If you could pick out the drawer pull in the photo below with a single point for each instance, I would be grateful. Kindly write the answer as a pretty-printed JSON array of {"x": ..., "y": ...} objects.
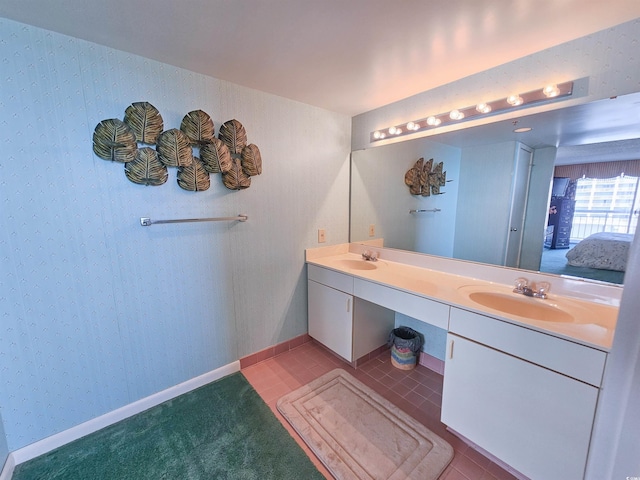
[
  {"x": 450, "y": 349},
  {"x": 348, "y": 305}
]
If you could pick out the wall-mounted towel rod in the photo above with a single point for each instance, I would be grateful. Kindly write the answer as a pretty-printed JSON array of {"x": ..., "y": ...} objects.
[
  {"x": 422, "y": 211},
  {"x": 146, "y": 221}
]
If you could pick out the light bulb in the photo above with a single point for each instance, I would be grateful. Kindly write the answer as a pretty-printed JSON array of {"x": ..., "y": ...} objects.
[
  {"x": 551, "y": 91},
  {"x": 411, "y": 126},
  {"x": 377, "y": 135},
  {"x": 398, "y": 131},
  {"x": 514, "y": 100},
  {"x": 483, "y": 108},
  {"x": 392, "y": 130},
  {"x": 433, "y": 121},
  {"x": 456, "y": 115}
]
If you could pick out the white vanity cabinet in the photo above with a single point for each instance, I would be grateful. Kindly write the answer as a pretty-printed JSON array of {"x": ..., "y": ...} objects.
[
  {"x": 349, "y": 326},
  {"x": 526, "y": 397},
  {"x": 420, "y": 308}
]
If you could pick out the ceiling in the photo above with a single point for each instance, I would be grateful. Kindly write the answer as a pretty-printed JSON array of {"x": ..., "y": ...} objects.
[{"x": 347, "y": 56}]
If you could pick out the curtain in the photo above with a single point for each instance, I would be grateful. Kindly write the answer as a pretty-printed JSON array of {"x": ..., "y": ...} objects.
[{"x": 598, "y": 170}]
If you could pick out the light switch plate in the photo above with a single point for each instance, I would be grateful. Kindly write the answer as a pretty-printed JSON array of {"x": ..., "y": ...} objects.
[
  {"x": 321, "y": 236},
  {"x": 372, "y": 230}
]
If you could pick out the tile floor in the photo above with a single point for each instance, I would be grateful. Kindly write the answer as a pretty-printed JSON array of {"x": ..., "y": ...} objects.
[{"x": 418, "y": 392}]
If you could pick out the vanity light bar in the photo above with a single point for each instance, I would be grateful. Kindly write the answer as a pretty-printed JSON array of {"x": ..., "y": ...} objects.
[{"x": 484, "y": 109}]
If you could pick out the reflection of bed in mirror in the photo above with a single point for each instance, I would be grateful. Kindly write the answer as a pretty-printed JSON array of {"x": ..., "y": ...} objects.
[
  {"x": 603, "y": 250},
  {"x": 580, "y": 260}
]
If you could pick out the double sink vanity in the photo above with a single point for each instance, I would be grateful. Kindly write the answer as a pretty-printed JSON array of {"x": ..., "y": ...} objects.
[{"x": 522, "y": 374}]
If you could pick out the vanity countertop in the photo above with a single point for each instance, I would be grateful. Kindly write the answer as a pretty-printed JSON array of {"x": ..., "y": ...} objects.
[{"x": 590, "y": 323}]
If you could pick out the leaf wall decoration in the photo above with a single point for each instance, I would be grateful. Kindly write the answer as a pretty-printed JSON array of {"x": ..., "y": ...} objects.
[
  {"x": 174, "y": 148},
  {"x": 413, "y": 177},
  {"x": 194, "y": 177},
  {"x": 114, "y": 140},
  {"x": 424, "y": 178},
  {"x": 251, "y": 160},
  {"x": 422, "y": 181},
  {"x": 146, "y": 168},
  {"x": 216, "y": 157},
  {"x": 145, "y": 121},
  {"x": 410, "y": 176},
  {"x": 235, "y": 178},
  {"x": 198, "y": 126},
  {"x": 230, "y": 154},
  {"x": 437, "y": 179},
  {"x": 234, "y": 135}
]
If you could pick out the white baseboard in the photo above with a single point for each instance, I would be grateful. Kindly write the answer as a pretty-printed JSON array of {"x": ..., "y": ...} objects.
[
  {"x": 7, "y": 470},
  {"x": 54, "y": 441}
]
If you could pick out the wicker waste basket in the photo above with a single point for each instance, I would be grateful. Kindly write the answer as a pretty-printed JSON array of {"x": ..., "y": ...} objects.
[{"x": 405, "y": 344}]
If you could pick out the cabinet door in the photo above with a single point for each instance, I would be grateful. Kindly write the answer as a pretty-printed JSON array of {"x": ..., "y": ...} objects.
[
  {"x": 535, "y": 420},
  {"x": 330, "y": 318}
]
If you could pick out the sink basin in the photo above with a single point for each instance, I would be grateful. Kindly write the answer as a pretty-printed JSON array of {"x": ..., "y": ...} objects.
[
  {"x": 521, "y": 306},
  {"x": 356, "y": 264}
]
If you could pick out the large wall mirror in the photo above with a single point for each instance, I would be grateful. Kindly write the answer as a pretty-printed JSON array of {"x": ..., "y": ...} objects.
[{"x": 496, "y": 206}]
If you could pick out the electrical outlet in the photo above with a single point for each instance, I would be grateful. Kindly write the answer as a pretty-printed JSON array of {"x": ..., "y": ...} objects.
[
  {"x": 372, "y": 230},
  {"x": 321, "y": 236}
]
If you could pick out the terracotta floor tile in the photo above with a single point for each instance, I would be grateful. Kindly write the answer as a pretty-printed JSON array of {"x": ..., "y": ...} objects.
[
  {"x": 401, "y": 389},
  {"x": 435, "y": 398},
  {"x": 415, "y": 398},
  {"x": 368, "y": 366},
  {"x": 397, "y": 375},
  {"x": 477, "y": 457},
  {"x": 409, "y": 382},
  {"x": 418, "y": 392},
  {"x": 488, "y": 476},
  {"x": 468, "y": 467},
  {"x": 453, "y": 474},
  {"x": 423, "y": 390},
  {"x": 499, "y": 472},
  {"x": 387, "y": 381}
]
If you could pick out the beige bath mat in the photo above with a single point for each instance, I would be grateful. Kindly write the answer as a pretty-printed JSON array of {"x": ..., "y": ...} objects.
[{"x": 357, "y": 434}]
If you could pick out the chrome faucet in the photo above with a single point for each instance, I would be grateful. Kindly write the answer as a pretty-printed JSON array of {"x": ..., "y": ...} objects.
[
  {"x": 538, "y": 290},
  {"x": 370, "y": 256}
]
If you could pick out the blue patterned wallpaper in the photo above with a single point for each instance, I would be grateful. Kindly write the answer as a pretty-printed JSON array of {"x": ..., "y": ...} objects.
[
  {"x": 4, "y": 449},
  {"x": 97, "y": 311},
  {"x": 435, "y": 339}
]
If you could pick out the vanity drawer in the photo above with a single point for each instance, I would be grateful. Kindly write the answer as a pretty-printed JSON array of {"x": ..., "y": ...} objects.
[
  {"x": 420, "y": 308},
  {"x": 563, "y": 356},
  {"x": 328, "y": 277}
]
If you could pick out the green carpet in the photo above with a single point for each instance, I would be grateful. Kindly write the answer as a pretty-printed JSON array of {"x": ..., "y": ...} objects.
[
  {"x": 222, "y": 430},
  {"x": 555, "y": 261}
]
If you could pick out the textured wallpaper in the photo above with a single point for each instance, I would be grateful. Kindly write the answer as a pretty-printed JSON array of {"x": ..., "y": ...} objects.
[
  {"x": 382, "y": 169},
  {"x": 97, "y": 311},
  {"x": 4, "y": 449}
]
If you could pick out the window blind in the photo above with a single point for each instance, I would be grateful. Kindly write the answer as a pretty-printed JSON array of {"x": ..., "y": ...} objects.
[{"x": 598, "y": 169}]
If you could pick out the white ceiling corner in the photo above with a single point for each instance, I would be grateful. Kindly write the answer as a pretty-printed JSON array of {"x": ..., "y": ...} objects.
[{"x": 346, "y": 56}]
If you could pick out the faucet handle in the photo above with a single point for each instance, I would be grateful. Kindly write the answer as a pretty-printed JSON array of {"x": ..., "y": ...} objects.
[
  {"x": 521, "y": 283},
  {"x": 543, "y": 288}
]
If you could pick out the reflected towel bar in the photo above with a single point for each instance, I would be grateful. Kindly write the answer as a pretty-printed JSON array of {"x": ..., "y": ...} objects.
[
  {"x": 146, "y": 221},
  {"x": 421, "y": 211}
]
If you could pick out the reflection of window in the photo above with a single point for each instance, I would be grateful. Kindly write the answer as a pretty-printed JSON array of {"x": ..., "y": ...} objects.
[{"x": 605, "y": 205}]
